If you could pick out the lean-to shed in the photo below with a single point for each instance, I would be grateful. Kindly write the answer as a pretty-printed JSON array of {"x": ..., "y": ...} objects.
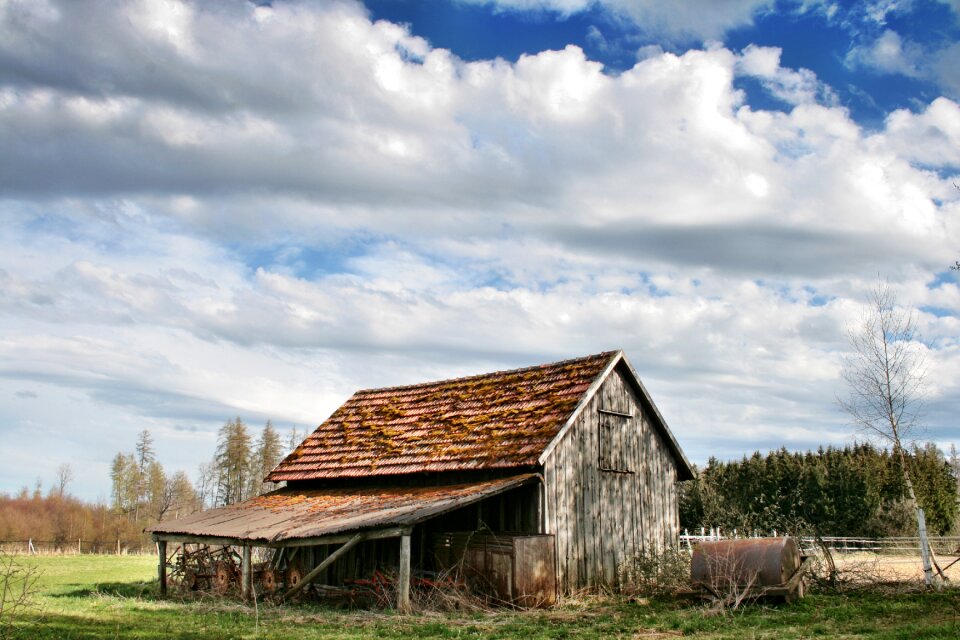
[{"x": 572, "y": 457}]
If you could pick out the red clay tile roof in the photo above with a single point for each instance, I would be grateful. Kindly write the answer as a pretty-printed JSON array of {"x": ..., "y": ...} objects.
[{"x": 496, "y": 420}]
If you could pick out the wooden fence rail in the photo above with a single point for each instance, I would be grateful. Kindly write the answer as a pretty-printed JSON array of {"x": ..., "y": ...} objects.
[
  {"x": 74, "y": 547},
  {"x": 948, "y": 545}
]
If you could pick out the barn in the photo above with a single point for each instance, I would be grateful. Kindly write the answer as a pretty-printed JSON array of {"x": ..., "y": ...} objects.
[{"x": 546, "y": 479}]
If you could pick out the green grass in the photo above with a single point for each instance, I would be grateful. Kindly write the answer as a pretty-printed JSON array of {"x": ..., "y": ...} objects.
[{"x": 116, "y": 597}]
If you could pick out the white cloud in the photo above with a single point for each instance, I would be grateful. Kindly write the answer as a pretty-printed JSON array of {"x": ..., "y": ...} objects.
[
  {"x": 226, "y": 209},
  {"x": 889, "y": 53},
  {"x": 793, "y": 87},
  {"x": 947, "y": 69},
  {"x": 699, "y": 19},
  {"x": 931, "y": 137}
]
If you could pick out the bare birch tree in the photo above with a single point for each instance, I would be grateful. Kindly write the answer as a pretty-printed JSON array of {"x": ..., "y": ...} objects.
[{"x": 884, "y": 376}]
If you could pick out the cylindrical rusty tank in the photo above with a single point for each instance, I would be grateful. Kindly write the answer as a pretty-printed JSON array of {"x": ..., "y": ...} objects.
[{"x": 753, "y": 561}]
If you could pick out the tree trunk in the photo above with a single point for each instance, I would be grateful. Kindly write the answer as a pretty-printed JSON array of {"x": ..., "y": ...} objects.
[{"x": 921, "y": 521}]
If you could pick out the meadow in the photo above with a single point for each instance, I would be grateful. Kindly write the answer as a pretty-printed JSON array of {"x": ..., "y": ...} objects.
[{"x": 90, "y": 596}]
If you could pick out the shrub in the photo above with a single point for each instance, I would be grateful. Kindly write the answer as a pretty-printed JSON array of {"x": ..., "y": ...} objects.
[
  {"x": 654, "y": 573},
  {"x": 18, "y": 589}
]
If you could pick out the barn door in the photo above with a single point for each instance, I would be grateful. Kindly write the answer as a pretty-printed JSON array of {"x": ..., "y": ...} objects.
[{"x": 616, "y": 462}]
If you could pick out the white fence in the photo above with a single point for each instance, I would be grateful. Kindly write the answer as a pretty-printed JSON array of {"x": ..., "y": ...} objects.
[{"x": 942, "y": 545}]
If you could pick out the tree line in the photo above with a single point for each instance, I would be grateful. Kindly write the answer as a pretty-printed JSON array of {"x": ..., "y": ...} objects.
[
  {"x": 143, "y": 492},
  {"x": 854, "y": 491}
]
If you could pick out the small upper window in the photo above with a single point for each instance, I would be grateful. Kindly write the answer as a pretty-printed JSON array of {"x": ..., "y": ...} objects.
[{"x": 616, "y": 428}]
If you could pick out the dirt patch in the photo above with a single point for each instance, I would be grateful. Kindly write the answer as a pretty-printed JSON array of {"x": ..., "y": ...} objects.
[{"x": 890, "y": 568}]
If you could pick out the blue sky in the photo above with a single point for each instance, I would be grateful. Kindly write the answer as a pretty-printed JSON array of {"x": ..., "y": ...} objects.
[
  {"x": 821, "y": 36},
  {"x": 229, "y": 208}
]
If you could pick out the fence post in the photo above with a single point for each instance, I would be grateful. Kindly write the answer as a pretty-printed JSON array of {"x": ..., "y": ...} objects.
[{"x": 924, "y": 548}]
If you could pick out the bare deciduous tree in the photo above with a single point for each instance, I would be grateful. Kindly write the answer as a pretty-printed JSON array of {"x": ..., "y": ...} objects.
[
  {"x": 884, "y": 376},
  {"x": 64, "y": 478}
]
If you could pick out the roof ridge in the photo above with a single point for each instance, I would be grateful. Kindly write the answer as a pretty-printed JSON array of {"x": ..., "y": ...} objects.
[{"x": 558, "y": 363}]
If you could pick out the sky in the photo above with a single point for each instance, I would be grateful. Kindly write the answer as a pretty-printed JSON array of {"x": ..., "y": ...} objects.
[{"x": 225, "y": 208}]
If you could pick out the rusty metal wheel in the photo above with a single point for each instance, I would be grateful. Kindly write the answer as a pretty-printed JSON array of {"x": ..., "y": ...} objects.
[
  {"x": 293, "y": 577},
  {"x": 268, "y": 580},
  {"x": 222, "y": 577}
]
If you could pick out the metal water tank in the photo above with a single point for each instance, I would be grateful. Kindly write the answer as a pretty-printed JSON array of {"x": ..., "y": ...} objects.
[{"x": 753, "y": 561}]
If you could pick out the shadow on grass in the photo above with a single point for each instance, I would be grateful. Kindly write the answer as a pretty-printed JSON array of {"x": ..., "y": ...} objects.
[
  {"x": 159, "y": 624},
  {"x": 141, "y": 590}
]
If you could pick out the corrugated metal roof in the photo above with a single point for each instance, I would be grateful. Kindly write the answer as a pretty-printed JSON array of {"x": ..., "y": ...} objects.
[
  {"x": 496, "y": 420},
  {"x": 289, "y": 514}
]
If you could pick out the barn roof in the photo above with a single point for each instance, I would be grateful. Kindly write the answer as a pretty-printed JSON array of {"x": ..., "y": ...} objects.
[
  {"x": 505, "y": 419},
  {"x": 291, "y": 516},
  {"x": 495, "y": 420}
]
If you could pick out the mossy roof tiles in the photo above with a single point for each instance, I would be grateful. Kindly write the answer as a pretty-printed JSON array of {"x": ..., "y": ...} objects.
[{"x": 492, "y": 421}]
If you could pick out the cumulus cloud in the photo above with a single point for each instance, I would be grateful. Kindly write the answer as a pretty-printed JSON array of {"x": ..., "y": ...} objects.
[
  {"x": 947, "y": 69},
  {"x": 888, "y": 53},
  {"x": 698, "y": 19},
  {"x": 791, "y": 86},
  {"x": 224, "y": 209},
  {"x": 931, "y": 137}
]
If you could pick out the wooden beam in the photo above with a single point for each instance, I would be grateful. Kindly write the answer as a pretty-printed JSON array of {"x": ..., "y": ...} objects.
[
  {"x": 307, "y": 579},
  {"x": 403, "y": 587},
  {"x": 610, "y": 412},
  {"x": 392, "y": 532},
  {"x": 184, "y": 538},
  {"x": 162, "y": 566},
  {"x": 337, "y": 538},
  {"x": 245, "y": 573}
]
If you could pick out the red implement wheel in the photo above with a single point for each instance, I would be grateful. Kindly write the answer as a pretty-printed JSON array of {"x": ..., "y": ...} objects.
[
  {"x": 222, "y": 577},
  {"x": 293, "y": 577},
  {"x": 268, "y": 580}
]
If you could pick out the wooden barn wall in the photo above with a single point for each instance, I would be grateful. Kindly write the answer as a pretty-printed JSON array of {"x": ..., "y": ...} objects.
[{"x": 602, "y": 518}]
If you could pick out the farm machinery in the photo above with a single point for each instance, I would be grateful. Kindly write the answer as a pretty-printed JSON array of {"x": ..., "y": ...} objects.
[{"x": 217, "y": 569}]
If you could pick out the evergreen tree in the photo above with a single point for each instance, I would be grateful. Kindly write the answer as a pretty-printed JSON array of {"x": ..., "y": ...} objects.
[
  {"x": 145, "y": 455},
  {"x": 855, "y": 491},
  {"x": 159, "y": 496},
  {"x": 233, "y": 462},
  {"x": 184, "y": 499},
  {"x": 124, "y": 477},
  {"x": 266, "y": 456}
]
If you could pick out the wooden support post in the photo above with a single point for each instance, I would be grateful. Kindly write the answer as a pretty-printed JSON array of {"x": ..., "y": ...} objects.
[
  {"x": 245, "y": 573},
  {"x": 307, "y": 579},
  {"x": 541, "y": 489},
  {"x": 403, "y": 586},
  {"x": 162, "y": 566}
]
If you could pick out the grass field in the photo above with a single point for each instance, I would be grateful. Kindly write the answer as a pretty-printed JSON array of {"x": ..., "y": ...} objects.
[{"x": 116, "y": 597}]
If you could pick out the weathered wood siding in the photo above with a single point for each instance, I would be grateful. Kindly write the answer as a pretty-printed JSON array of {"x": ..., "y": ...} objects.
[{"x": 603, "y": 517}]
